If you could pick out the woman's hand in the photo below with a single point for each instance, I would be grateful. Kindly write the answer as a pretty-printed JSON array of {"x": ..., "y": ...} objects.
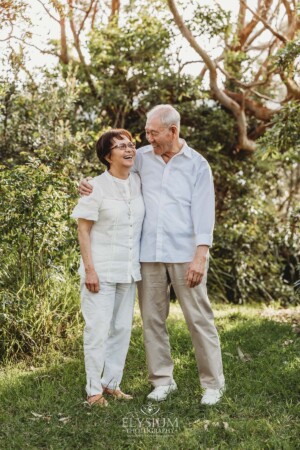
[
  {"x": 85, "y": 188},
  {"x": 92, "y": 281}
]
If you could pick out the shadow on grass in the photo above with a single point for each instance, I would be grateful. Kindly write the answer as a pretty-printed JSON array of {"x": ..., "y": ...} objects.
[
  {"x": 47, "y": 406},
  {"x": 272, "y": 349}
]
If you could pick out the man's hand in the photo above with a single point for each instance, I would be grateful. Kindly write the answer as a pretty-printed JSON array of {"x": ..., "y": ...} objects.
[
  {"x": 85, "y": 188},
  {"x": 92, "y": 281},
  {"x": 197, "y": 267}
]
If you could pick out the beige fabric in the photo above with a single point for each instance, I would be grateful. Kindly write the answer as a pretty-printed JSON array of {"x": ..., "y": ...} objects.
[{"x": 154, "y": 305}]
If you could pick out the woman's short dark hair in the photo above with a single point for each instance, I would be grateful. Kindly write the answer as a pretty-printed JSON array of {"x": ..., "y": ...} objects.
[{"x": 105, "y": 142}]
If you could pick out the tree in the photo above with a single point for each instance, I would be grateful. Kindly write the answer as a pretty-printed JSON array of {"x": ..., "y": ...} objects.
[
  {"x": 127, "y": 67},
  {"x": 249, "y": 66}
]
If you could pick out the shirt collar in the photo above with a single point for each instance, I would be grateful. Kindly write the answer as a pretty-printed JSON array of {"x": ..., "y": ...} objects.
[{"x": 185, "y": 149}]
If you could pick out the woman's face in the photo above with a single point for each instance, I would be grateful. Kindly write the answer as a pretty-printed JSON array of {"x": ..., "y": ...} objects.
[{"x": 122, "y": 153}]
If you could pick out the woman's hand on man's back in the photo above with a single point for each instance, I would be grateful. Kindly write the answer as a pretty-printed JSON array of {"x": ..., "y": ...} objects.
[{"x": 85, "y": 188}]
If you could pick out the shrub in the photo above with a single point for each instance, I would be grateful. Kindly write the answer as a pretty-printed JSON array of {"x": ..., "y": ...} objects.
[{"x": 39, "y": 300}]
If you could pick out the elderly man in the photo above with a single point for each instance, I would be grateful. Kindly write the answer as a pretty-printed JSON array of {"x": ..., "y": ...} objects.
[{"x": 177, "y": 232}]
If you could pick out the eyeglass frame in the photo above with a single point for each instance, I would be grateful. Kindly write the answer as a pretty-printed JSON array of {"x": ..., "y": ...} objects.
[{"x": 119, "y": 146}]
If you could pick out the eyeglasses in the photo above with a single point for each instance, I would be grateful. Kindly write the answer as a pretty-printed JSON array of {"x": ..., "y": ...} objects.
[{"x": 123, "y": 146}]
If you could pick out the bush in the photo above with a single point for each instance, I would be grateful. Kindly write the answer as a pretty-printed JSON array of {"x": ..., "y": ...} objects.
[
  {"x": 254, "y": 246},
  {"x": 39, "y": 300}
]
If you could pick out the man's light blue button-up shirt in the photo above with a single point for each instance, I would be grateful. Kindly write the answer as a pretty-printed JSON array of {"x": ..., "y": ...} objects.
[{"x": 179, "y": 202}]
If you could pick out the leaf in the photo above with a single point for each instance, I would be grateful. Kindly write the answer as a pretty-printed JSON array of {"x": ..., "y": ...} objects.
[
  {"x": 64, "y": 419},
  {"x": 46, "y": 417},
  {"x": 206, "y": 423},
  {"x": 37, "y": 415},
  {"x": 227, "y": 427},
  {"x": 287, "y": 342},
  {"x": 229, "y": 354},
  {"x": 245, "y": 357}
]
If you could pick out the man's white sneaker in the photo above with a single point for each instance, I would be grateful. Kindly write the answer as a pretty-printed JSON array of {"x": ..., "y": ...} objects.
[
  {"x": 160, "y": 393},
  {"x": 212, "y": 396}
]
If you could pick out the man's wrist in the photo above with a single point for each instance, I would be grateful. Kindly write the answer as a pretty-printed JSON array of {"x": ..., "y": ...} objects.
[{"x": 202, "y": 252}]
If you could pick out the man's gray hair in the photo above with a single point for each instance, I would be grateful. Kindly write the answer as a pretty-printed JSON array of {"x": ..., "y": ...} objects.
[{"x": 167, "y": 114}]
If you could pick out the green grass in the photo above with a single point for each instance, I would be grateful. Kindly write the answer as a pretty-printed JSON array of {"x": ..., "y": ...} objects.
[{"x": 43, "y": 400}]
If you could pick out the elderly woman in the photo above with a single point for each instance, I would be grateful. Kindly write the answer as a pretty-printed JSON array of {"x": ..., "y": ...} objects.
[{"x": 109, "y": 228}]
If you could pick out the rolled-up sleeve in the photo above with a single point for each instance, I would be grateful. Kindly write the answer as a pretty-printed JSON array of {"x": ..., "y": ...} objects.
[
  {"x": 89, "y": 205},
  {"x": 203, "y": 206}
]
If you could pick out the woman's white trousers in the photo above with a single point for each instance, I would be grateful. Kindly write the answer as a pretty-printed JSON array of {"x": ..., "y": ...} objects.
[{"x": 108, "y": 321}]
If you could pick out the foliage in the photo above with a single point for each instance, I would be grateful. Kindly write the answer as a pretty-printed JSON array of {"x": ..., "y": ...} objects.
[
  {"x": 134, "y": 69},
  {"x": 282, "y": 139},
  {"x": 11, "y": 11},
  {"x": 49, "y": 122},
  {"x": 252, "y": 256},
  {"x": 282, "y": 143},
  {"x": 38, "y": 254},
  {"x": 252, "y": 244},
  {"x": 37, "y": 119},
  {"x": 210, "y": 21},
  {"x": 207, "y": 128},
  {"x": 287, "y": 56}
]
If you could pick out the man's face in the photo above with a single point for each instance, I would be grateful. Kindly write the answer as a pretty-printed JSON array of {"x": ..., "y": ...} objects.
[{"x": 159, "y": 135}]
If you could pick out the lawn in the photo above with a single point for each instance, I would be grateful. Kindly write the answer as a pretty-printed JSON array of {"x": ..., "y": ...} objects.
[{"x": 43, "y": 401}]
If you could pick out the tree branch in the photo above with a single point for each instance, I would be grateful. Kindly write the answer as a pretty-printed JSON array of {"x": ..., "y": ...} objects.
[
  {"x": 241, "y": 16},
  {"x": 64, "y": 55},
  {"x": 47, "y": 11},
  {"x": 115, "y": 8},
  {"x": 79, "y": 52},
  {"x": 261, "y": 30},
  {"x": 262, "y": 20},
  {"x": 87, "y": 13},
  {"x": 292, "y": 87},
  {"x": 186, "y": 63},
  {"x": 9, "y": 34},
  {"x": 225, "y": 100},
  {"x": 264, "y": 97},
  {"x": 245, "y": 30},
  {"x": 289, "y": 11},
  {"x": 95, "y": 10},
  {"x": 240, "y": 83},
  {"x": 46, "y": 52},
  {"x": 254, "y": 108}
]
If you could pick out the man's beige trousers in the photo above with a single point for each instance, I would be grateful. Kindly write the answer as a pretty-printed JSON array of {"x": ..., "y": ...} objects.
[{"x": 154, "y": 304}]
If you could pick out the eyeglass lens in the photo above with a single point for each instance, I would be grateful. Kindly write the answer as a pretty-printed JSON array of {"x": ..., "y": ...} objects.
[{"x": 124, "y": 146}]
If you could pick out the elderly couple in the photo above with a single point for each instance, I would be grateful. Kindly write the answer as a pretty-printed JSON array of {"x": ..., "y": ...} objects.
[{"x": 149, "y": 219}]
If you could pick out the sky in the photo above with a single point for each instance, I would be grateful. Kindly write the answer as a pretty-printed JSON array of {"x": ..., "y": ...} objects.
[{"x": 44, "y": 29}]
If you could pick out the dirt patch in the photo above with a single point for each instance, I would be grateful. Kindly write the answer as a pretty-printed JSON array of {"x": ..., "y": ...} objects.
[{"x": 285, "y": 315}]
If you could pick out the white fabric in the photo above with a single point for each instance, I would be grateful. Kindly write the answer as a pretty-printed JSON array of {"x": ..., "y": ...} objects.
[
  {"x": 179, "y": 202},
  {"x": 108, "y": 319},
  {"x": 117, "y": 208}
]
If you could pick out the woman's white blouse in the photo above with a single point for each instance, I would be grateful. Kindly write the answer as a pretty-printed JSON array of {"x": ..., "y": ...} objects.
[{"x": 117, "y": 208}]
